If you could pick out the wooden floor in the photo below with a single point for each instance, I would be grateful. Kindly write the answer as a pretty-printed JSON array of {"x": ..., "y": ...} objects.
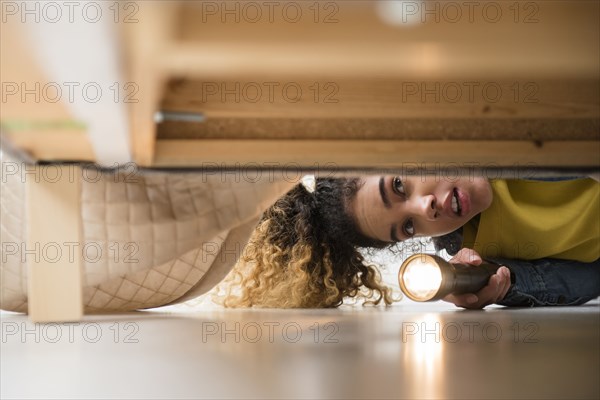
[{"x": 407, "y": 351}]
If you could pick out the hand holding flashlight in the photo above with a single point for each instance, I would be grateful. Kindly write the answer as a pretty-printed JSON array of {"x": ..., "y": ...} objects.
[
  {"x": 493, "y": 292},
  {"x": 464, "y": 281}
]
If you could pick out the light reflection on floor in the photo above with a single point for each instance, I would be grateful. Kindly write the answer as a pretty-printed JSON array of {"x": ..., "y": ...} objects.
[{"x": 406, "y": 351}]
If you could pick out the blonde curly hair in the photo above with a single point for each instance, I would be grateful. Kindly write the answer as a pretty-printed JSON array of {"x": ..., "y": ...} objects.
[{"x": 304, "y": 253}]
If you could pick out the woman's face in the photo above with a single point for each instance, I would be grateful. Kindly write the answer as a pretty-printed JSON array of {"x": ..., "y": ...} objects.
[{"x": 393, "y": 209}]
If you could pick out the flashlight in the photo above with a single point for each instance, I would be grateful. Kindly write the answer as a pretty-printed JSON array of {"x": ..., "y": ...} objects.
[{"x": 425, "y": 277}]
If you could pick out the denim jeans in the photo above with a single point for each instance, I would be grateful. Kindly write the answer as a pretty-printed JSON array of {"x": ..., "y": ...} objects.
[{"x": 550, "y": 282}]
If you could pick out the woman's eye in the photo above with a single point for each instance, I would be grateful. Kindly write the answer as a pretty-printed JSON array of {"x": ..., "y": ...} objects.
[
  {"x": 409, "y": 229},
  {"x": 398, "y": 186}
]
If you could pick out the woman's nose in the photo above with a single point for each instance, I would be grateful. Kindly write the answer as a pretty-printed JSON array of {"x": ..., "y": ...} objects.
[{"x": 427, "y": 207}]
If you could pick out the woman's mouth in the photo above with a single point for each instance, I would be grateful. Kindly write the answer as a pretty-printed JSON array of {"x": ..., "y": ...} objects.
[
  {"x": 456, "y": 207},
  {"x": 461, "y": 204}
]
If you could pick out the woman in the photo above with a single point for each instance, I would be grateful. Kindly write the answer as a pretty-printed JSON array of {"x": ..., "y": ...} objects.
[{"x": 305, "y": 251}]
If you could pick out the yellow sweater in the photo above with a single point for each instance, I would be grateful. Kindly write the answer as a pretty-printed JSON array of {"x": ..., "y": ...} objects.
[{"x": 538, "y": 219}]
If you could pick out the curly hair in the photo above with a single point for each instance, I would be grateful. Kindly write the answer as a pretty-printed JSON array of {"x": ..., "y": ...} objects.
[{"x": 304, "y": 253}]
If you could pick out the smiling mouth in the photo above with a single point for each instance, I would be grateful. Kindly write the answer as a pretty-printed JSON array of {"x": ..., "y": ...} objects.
[{"x": 456, "y": 207}]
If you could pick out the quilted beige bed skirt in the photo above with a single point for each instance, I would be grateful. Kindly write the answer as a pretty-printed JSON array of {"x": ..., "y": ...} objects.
[{"x": 149, "y": 238}]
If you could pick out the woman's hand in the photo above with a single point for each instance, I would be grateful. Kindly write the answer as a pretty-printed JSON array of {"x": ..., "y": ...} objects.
[{"x": 495, "y": 290}]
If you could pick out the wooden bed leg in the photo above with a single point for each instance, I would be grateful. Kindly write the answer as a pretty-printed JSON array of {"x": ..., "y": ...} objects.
[{"x": 54, "y": 243}]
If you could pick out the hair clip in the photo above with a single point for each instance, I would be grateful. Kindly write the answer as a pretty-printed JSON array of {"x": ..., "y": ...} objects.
[{"x": 309, "y": 182}]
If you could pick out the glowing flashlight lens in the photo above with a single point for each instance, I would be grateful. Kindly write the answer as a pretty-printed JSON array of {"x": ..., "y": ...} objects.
[{"x": 422, "y": 278}]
